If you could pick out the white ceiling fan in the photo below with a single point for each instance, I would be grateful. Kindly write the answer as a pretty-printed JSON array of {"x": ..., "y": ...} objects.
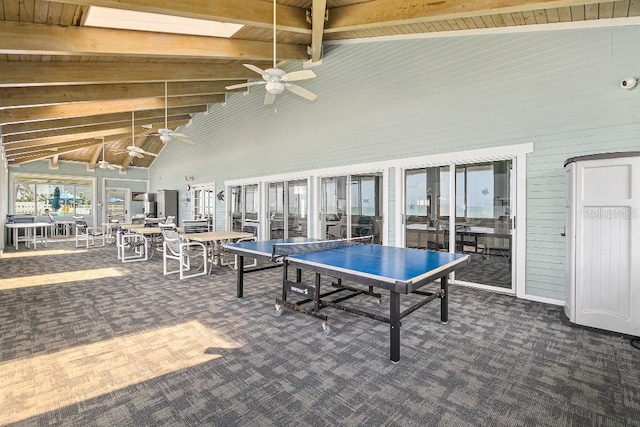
[
  {"x": 133, "y": 150},
  {"x": 103, "y": 164},
  {"x": 166, "y": 134},
  {"x": 277, "y": 80}
]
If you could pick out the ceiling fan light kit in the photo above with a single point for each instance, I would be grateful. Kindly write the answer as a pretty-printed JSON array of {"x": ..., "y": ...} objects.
[{"x": 275, "y": 88}]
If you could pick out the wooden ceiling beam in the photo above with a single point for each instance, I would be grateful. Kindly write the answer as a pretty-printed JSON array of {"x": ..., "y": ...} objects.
[
  {"x": 26, "y": 157},
  {"x": 41, "y": 153},
  {"x": 253, "y": 13},
  {"x": 96, "y": 155},
  {"x": 50, "y": 95},
  {"x": 106, "y": 128},
  {"x": 56, "y": 143},
  {"x": 59, "y": 141},
  {"x": 386, "y": 13},
  {"x": 318, "y": 12},
  {"x": 21, "y": 38},
  {"x": 79, "y": 109},
  {"x": 14, "y": 73},
  {"x": 142, "y": 118}
]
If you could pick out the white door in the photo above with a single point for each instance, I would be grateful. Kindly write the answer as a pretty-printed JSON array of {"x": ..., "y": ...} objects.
[
  {"x": 117, "y": 204},
  {"x": 607, "y": 261}
]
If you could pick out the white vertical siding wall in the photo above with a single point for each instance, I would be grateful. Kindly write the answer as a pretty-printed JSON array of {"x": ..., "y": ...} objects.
[
  {"x": 4, "y": 196},
  {"x": 395, "y": 99}
]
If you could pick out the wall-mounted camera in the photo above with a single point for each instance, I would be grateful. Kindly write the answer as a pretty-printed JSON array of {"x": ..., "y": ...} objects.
[{"x": 629, "y": 83}]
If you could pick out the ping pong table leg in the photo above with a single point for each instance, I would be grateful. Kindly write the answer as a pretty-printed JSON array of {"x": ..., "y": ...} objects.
[
  {"x": 240, "y": 276},
  {"x": 285, "y": 273},
  {"x": 444, "y": 299},
  {"x": 394, "y": 326}
]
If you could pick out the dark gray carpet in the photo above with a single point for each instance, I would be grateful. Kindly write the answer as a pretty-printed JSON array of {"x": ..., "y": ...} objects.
[
  {"x": 495, "y": 270},
  {"x": 499, "y": 362}
]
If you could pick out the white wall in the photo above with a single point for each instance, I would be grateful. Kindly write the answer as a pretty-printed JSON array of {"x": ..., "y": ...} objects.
[
  {"x": 395, "y": 99},
  {"x": 4, "y": 197}
]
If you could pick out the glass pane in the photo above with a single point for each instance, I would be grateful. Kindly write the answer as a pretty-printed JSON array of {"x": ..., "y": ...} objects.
[
  {"x": 82, "y": 200},
  {"x": 334, "y": 208},
  {"x": 366, "y": 197},
  {"x": 484, "y": 230},
  {"x": 427, "y": 208},
  {"x": 25, "y": 199},
  {"x": 276, "y": 210},
  {"x": 210, "y": 203},
  {"x": 116, "y": 205},
  {"x": 251, "y": 202},
  {"x": 297, "y": 218},
  {"x": 44, "y": 199},
  {"x": 236, "y": 208}
]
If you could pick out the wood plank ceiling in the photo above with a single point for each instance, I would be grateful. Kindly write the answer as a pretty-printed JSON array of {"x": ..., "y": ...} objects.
[{"x": 65, "y": 86}]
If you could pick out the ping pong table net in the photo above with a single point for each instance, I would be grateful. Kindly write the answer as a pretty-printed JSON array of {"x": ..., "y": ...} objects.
[{"x": 282, "y": 250}]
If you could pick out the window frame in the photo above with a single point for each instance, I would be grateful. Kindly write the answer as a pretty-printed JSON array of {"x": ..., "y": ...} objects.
[{"x": 76, "y": 180}]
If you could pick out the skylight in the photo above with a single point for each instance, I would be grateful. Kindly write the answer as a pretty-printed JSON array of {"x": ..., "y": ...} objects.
[{"x": 144, "y": 21}]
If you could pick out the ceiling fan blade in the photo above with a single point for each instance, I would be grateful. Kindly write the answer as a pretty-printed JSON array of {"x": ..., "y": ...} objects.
[
  {"x": 147, "y": 153},
  {"x": 299, "y": 75},
  {"x": 182, "y": 138},
  {"x": 135, "y": 154},
  {"x": 300, "y": 91},
  {"x": 255, "y": 69},
  {"x": 242, "y": 85},
  {"x": 269, "y": 98}
]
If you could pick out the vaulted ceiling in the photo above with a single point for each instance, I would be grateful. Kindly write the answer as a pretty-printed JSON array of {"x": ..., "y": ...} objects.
[{"x": 66, "y": 87}]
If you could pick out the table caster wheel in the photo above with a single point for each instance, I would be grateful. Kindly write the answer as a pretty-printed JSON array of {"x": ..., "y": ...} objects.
[
  {"x": 326, "y": 329},
  {"x": 279, "y": 310}
]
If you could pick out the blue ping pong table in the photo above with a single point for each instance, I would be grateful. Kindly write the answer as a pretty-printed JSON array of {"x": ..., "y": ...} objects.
[{"x": 397, "y": 270}]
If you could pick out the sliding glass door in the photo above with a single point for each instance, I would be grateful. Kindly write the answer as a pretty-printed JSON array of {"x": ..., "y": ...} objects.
[
  {"x": 298, "y": 206},
  {"x": 482, "y": 225},
  {"x": 244, "y": 208},
  {"x": 276, "y": 210},
  {"x": 287, "y": 207},
  {"x": 333, "y": 215},
  {"x": 484, "y": 222},
  {"x": 351, "y": 206},
  {"x": 366, "y": 206},
  {"x": 427, "y": 208}
]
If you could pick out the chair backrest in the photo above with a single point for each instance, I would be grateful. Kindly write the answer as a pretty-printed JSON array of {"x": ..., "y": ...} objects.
[
  {"x": 171, "y": 219},
  {"x": 81, "y": 224},
  {"x": 20, "y": 218},
  {"x": 195, "y": 226},
  {"x": 250, "y": 228},
  {"x": 171, "y": 239}
]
